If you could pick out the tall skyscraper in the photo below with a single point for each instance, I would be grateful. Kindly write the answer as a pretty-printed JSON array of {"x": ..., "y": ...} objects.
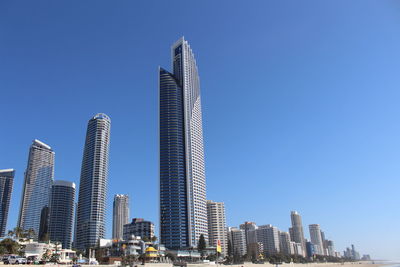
[
  {"x": 6, "y": 187},
  {"x": 93, "y": 183},
  {"x": 183, "y": 210},
  {"x": 120, "y": 215},
  {"x": 61, "y": 218},
  {"x": 296, "y": 231},
  {"x": 39, "y": 177},
  {"x": 217, "y": 225},
  {"x": 316, "y": 239}
]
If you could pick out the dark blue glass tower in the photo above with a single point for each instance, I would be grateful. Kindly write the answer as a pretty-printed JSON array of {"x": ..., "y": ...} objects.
[
  {"x": 173, "y": 198},
  {"x": 61, "y": 219},
  {"x": 6, "y": 186}
]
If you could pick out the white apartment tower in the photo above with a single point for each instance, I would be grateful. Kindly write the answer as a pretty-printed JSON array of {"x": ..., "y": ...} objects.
[
  {"x": 237, "y": 238},
  {"x": 120, "y": 215},
  {"x": 268, "y": 235},
  {"x": 316, "y": 239},
  {"x": 217, "y": 225}
]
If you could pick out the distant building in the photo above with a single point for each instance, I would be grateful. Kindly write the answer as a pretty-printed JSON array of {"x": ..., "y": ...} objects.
[
  {"x": 39, "y": 176},
  {"x": 217, "y": 225},
  {"x": 330, "y": 248},
  {"x": 296, "y": 231},
  {"x": 62, "y": 213},
  {"x": 268, "y": 235},
  {"x": 284, "y": 243},
  {"x": 91, "y": 214},
  {"x": 366, "y": 257},
  {"x": 139, "y": 228},
  {"x": 310, "y": 248},
  {"x": 250, "y": 232},
  {"x": 6, "y": 187},
  {"x": 298, "y": 249},
  {"x": 120, "y": 215},
  {"x": 237, "y": 238},
  {"x": 316, "y": 239},
  {"x": 255, "y": 250}
]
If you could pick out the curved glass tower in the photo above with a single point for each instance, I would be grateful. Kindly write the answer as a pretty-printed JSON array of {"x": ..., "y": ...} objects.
[
  {"x": 183, "y": 208},
  {"x": 91, "y": 212},
  {"x": 39, "y": 176}
]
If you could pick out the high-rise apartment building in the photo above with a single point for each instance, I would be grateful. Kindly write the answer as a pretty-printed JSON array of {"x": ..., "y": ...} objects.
[
  {"x": 6, "y": 187},
  {"x": 237, "y": 238},
  {"x": 284, "y": 243},
  {"x": 39, "y": 176},
  {"x": 250, "y": 232},
  {"x": 316, "y": 239},
  {"x": 183, "y": 209},
  {"x": 120, "y": 215},
  {"x": 217, "y": 225},
  {"x": 296, "y": 231},
  {"x": 268, "y": 235},
  {"x": 91, "y": 212},
  {"x": 139, "y": 227},
  {"x": 61, "y": 218}
]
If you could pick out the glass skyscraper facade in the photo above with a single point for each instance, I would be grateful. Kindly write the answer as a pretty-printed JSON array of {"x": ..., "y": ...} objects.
[
  {"x": 61, "y": 218},
  {"x": 39, "y": 176},
  {"x": 183, "y": 208},
  {"x": 6, "y": 187},
  {"x": 91, "y": 212}
]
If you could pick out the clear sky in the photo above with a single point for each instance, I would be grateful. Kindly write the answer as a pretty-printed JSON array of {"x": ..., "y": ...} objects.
[{"x": 300, "y": 104}]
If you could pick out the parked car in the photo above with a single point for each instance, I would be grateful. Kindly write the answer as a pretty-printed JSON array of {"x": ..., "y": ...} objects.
[
  {"x": 32, "y": 260},
  {"x": 12, "y": 259}
]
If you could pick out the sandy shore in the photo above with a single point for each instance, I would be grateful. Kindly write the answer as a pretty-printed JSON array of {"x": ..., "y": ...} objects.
[{"x": 246, "y": 264}]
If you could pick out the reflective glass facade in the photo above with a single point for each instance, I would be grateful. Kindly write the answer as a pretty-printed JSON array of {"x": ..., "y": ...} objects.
[
  {"x": 183, "y": 210},
  {"x": 6, "y": 187},
  {"x": 37, "y": 185},
  {"x": 61, "y": 219},
  {"x": 91, "y": 212}
]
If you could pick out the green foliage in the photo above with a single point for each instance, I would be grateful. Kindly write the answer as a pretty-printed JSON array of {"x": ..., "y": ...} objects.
[
  {"x": 212, "y": 257},
  {"x": 129, "y": 260},
  {"x": 201, "y": 246},
  {"x": 171, "y": 256},
  {"x": 20, "y": 234},
  {"x": 9, "y": 246}
]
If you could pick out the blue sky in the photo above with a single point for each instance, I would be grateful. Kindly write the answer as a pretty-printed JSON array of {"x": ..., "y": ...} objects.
[{"x": 300, "y": 104}]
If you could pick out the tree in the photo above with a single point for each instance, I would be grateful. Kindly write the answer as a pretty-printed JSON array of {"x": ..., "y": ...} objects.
[
  {"x": 201, "y": 246},
  {"x": 212, "y": 257},
  {"x": 9, "y": 246},
  {"x": 171, "y": 256},
  {"x": 154, "y": 239}
]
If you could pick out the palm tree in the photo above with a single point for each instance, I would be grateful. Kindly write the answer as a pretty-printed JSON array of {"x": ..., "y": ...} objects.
[
  {"x": 10, "y": 233},
  {"x": 30, "y": 233},
  {"x": 19, "y": 232}
]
